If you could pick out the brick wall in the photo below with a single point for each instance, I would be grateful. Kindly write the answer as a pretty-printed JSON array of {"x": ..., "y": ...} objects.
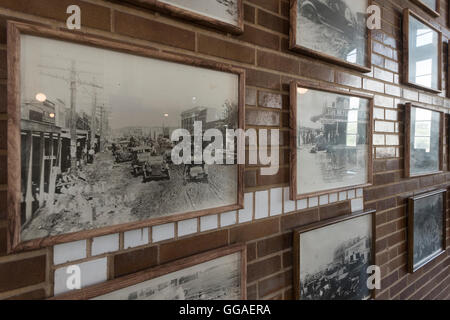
[{"x": 266, "y": 222}]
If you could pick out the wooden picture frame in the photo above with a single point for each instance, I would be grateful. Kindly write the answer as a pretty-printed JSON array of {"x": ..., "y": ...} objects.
[
  {"x": 412, "y": 267},
  {"x": 407, "y": 13},
  {"x": 324, "y": 224},
  {"x": 427, "y": 9},
  {"x": 193, "y": 16},
  {"x": 294, "y": 46},
  {"x": 14, "y": 31},
  {"x": 159, "y": 271},
  {"x": 408, "y": 173},
  {"x": 293, "y": 137}
]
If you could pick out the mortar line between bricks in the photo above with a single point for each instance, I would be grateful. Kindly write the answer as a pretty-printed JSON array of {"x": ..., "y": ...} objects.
[
  {"x": 437, "y": 285},
  {"x": 416, "y": 290},
  {"x": 19, "y": 291},
  {"x": 23, "y": 256}
]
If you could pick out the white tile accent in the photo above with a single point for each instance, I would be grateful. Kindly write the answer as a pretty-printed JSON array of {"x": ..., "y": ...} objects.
[
  {"x": 384, "y": 126},
  {"x": 228, "y": 219},
  {"x": 342, "y": 195},
  {"x": 359, "y": 193},
  {"x": 163, "y": 232},
  {"x": 108, "y": 243},
  {"x": 135, "y": 238},
  {"x": 261, "y": 204},
  {"x": 276, "y": 201},
  {"x": 302, "y": 204},
  {"x": 333, "y": 197},
  {"x": 186, "y": 227},
  {"x": 289, "y": 205},
  {"x": 313, "y": 202},
  {"x": 351, "y": 194},
  {"x": 70, "y": 251},
  {"x": 208, "y": 222},
  {"x": 92, "y": 272},
  {"x": 357, "y": 205},
  {"x": 323, "y": 200},
  {"x": 246, "y": 214}
]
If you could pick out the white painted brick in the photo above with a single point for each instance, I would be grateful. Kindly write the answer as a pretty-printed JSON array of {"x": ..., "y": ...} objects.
[
  {"x": 357, "y": 204},
  {"x": 342, "y": 195},
  {"x": 70, "y": 251},
  {"x": 392, "y": 140},
  {"x": 378, "y": 140},
  {"x": 323, "y": 200},
  {"x": 135, "y": 238},
  {"x": 302, "y": 204},
  {"x": 378, "y": 113},
  {"x": 228, "y": 219},
  {"x": 313, "y": 202},
  {"x": 393, "y": 90},
  {"x": 186, "y": 227},
  {"x": 289, "y": 205},
  {"x": 92, "y": 272},
  {"x": 373, "y": 85},
  {"x": 208, "y": 222},
  {"x": 382, "y": 101},
  {"x": 276, "y": 201},
  {"x": 163, "y": 232},
  {"x": 104, "y": 244},
  {"x": 261, "y": 204},
  {"x": 359, "y": 193},
  {"x": 384, "y": 126},
  {"x": 246, "y": 214},
  {"x": 351, "y": 194},
  {"x": 333, "y": 197},
  {"x": 410, "y": 95},
  {"x": 391, "y": 115}
]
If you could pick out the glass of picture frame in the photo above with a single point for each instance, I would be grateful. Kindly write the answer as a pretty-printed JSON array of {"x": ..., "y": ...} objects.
[
  {"x": 423, "y": 141},
  {"x": 225, "y": 15},
  {"x": 432, "y": 7},
  {"x": 89, "y": 133},
  {"x": 331, "y": 258},
  {"x": 214, "y": 275},
  {"x": 334, "y": 31},
  {"x": 422, "y": 56},
  {"x": 331, "y": 140},
  {"x": 426, "y": 228}
]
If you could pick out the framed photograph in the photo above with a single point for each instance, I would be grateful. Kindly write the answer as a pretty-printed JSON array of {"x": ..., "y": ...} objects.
[
  {"x": 331, "y": 139},
  {"x": 335, "y": 31},
  {"x": 422, "y": 53},
  {"x": 426, "y": 228},
  {"x": 331, "y": 258},
  {"x": 89, "y": 136},
  {"x": 424, "y": 141},
  {"x": 225, "y": 15},
  {"x": 432, "y": 7},
  {"x": 215, "y": 275}
]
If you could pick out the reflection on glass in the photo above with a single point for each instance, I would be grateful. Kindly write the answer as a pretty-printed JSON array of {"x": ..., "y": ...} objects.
[
  {"x": 425, "y": 126},
  {"x": 423, "y": 55},
  {"x": 431, "y": 4}
]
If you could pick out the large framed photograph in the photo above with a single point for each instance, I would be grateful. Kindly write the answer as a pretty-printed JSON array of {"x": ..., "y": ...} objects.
[
  {"x": 432, "y": 7},
  {"x": 424, "y": 141},
  {"x": 331, "y": 258},
  {"x": 426, "y": 228},
  {"x": 331, "y": 140},
  {"x": 334, "y": 31},
  {"x": 215, "y": 275},
  {"x": 225, "y": 15},
  {"x": 422, "y": 53},
  {"x": 89, "y": 136}
]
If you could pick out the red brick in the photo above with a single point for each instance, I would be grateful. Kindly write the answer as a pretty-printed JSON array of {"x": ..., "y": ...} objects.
[
  {"x": 277, "y": 62},
  {"x": 225, "y": 49},
  {"x": 2, "y": 169},
  {"x": 260, "y": 37},
  {"x": 262, "y": 79},
  {"x": 3, "y": 63},
  {"x": 249, "y": 13},
  {"x": 274, "y": 244},
  {"x": 3, "y": 129},
  {"x": 3, "y": 243},
  {"x": 263, "y": 268},
  {"x": 137, "y": 27},
  {"x": 254, "y": 231},
  {"x": 251, "y": 252},
  {"x": 22, "y": 273},
  {"x": 273, "y": 22},
  {"x": 275, "y": 283},
  {"x": 316, "y": 71},
  {"x": 33, "y": 295},
  {"x": 134, "y": 261},
  {"x": 291, "y": 221},
  {"x": 2, "y": 205},
  {"x": 252, "y": 292},
  {"x": 334, "y": 210},
  {"x": 271, "y": 5}
]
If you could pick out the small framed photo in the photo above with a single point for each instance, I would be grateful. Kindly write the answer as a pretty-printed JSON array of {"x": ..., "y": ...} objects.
[
  {"x": 225, "y": 15},
  {"x": 215, "y": 275},
  {"x": 426, "y": 228},
  {"x": 331, "y": 258},
  {"x": 334, "y": 31},
  {"x": 331, "y": 139},
  {"x": 424, "y": 142},
  {"x": 422, "y": 55},
  {"x": 432, "y": 7}
]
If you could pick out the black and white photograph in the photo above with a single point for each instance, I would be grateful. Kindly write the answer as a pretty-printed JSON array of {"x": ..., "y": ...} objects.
[
  {"x": 332, "y": 28},
  {"x": 223, "y": 10},
  {"x": 427, "y": 227},
  {"x": 333, "y": 260},
  {"x": 217, "y": 279},
  {"x": 96, "y": 129},
  {"x": 332, "y": 142},
  {"x": 424, "y": 141}
]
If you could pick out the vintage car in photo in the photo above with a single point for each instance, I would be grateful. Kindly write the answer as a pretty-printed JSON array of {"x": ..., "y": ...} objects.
[
  {"x": 139, "y": 157},
  {"x": 195, "y": 173},
  {"x": 155, "y": 168}
]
